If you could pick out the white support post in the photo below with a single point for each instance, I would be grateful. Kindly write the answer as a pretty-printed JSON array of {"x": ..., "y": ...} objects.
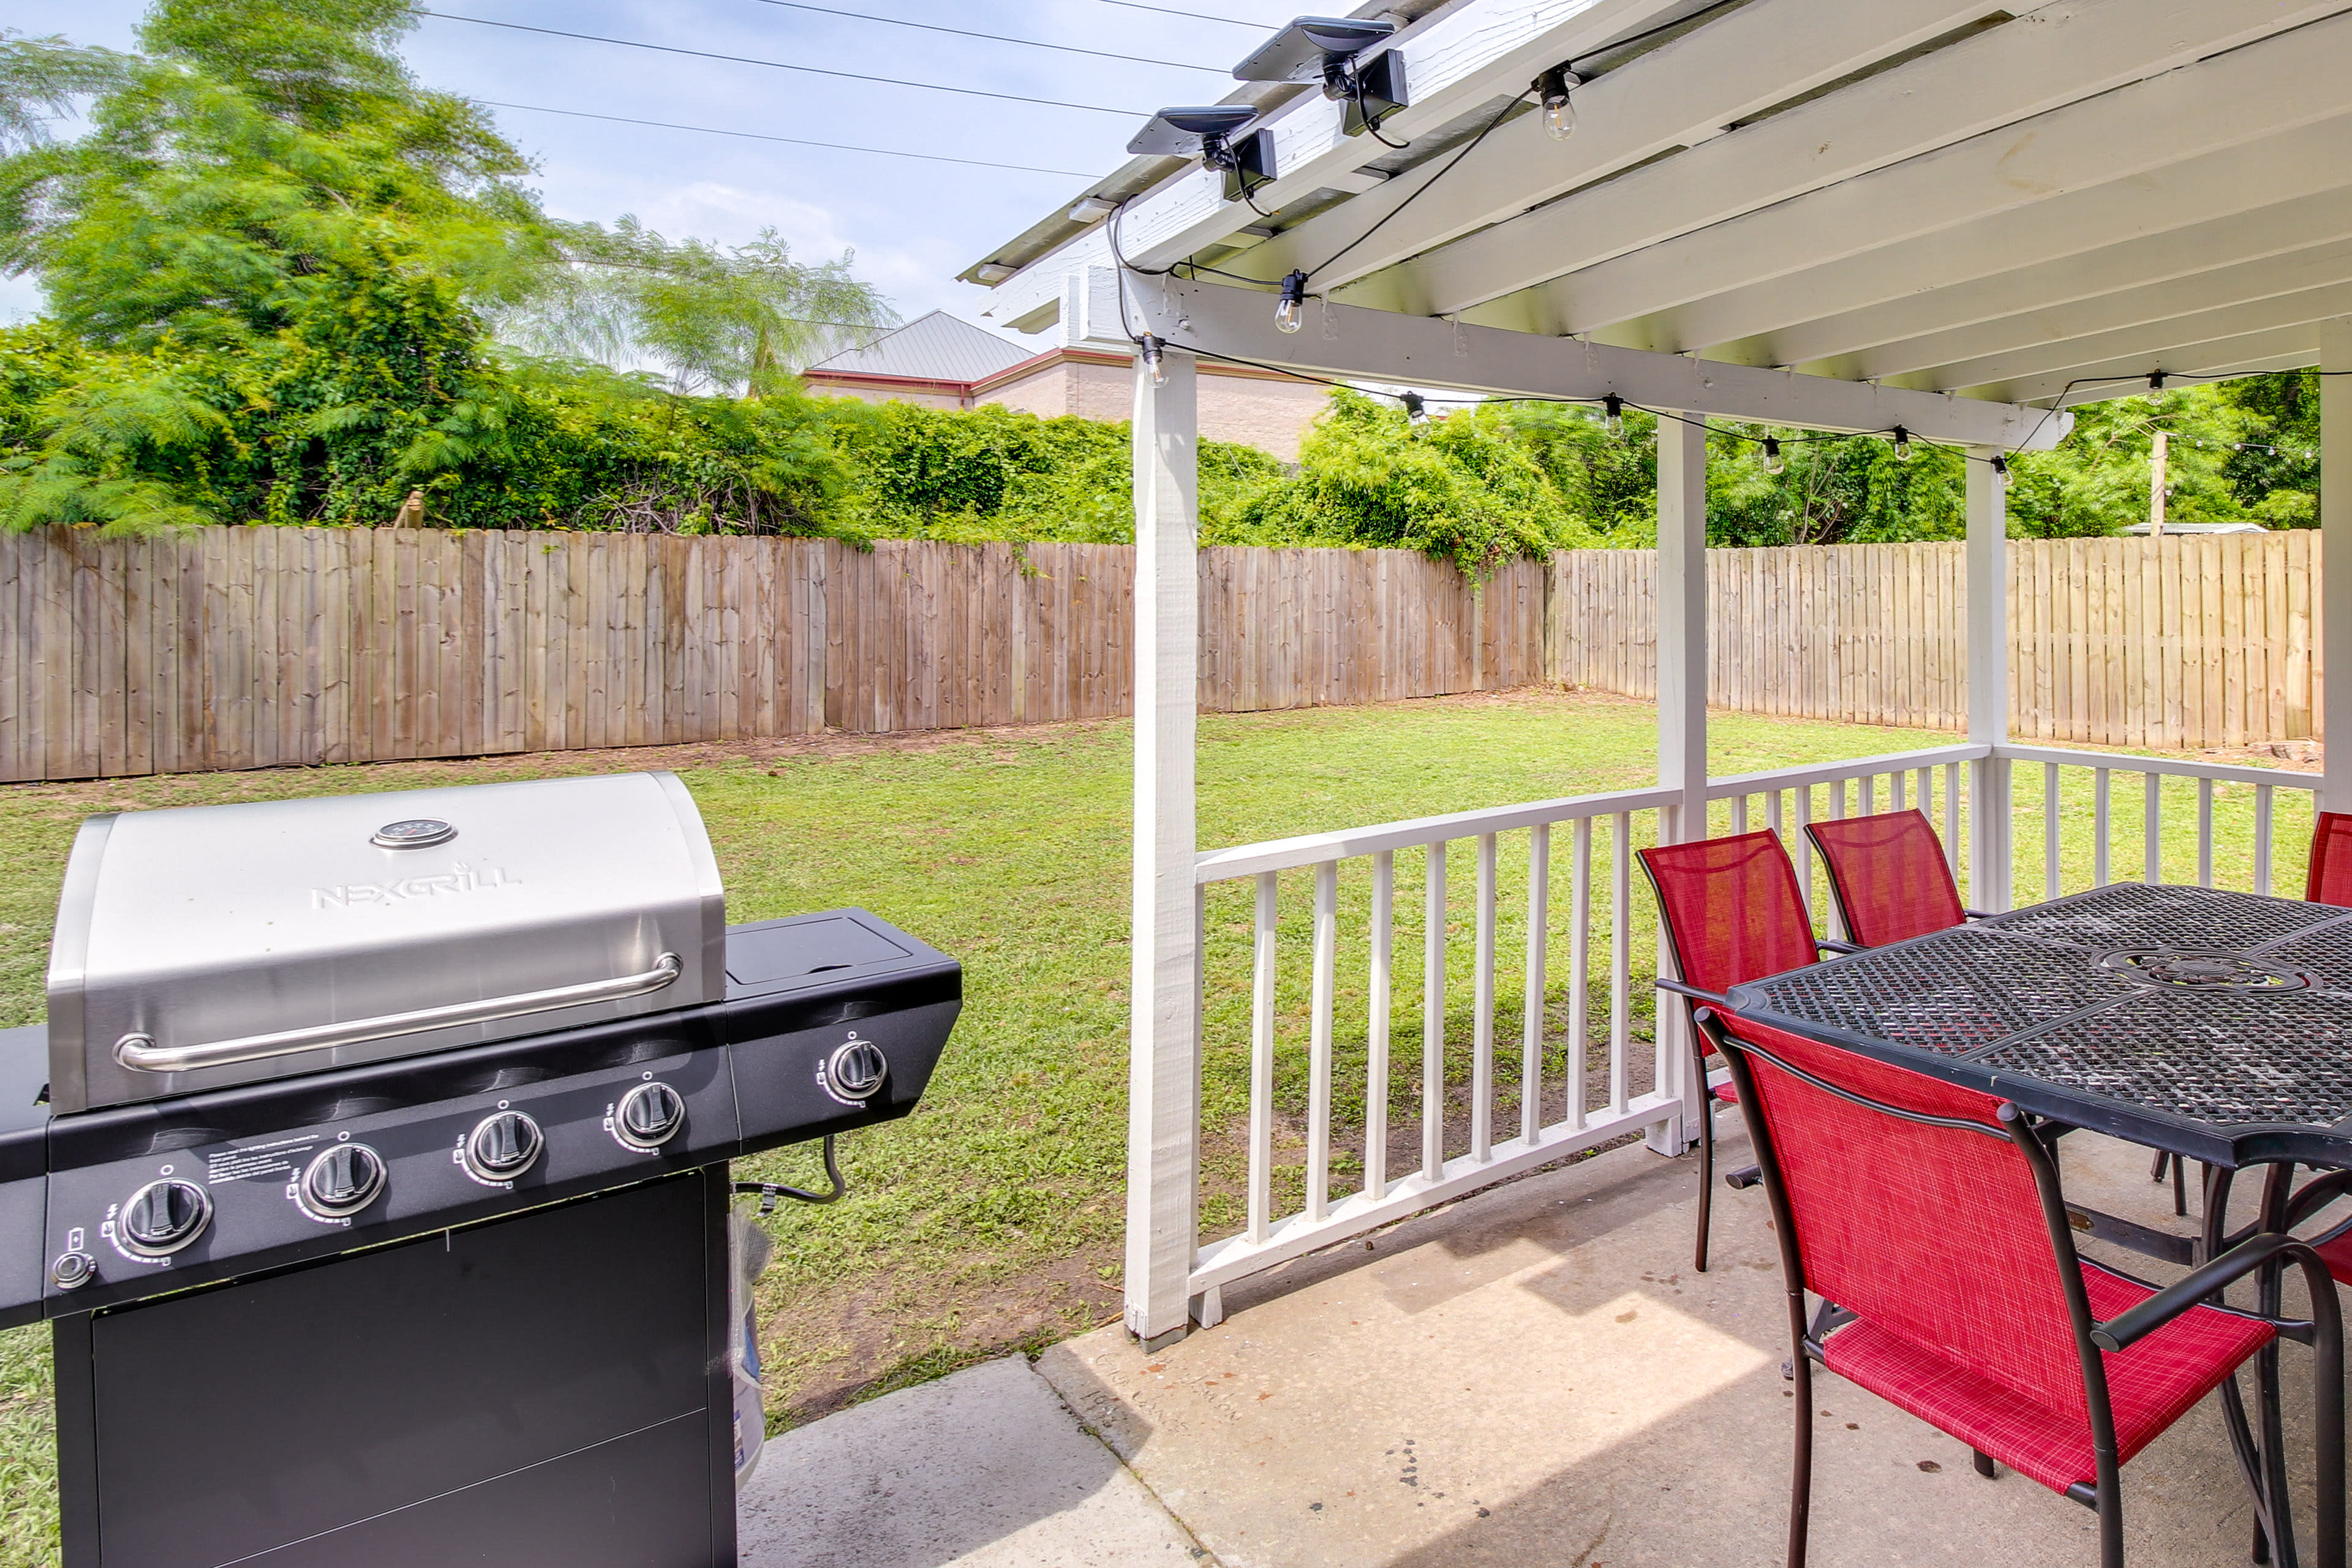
[
  {"x": 1682, "y": 720},
  {"x": 1164, "y": 1034},
  {"x": 1987, "y": 569},
  {"x": 2336, "y": 560}
]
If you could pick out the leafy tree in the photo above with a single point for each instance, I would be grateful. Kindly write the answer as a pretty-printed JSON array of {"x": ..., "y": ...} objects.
[{"x": 738, "y": 320}]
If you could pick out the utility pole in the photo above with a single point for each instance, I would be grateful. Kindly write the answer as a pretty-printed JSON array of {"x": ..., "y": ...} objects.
[{"x": 2156, "y": 468}]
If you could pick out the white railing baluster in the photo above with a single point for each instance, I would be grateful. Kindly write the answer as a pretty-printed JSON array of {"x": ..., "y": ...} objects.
[
  {"x": 1804, "y": 847},
  {"x": 2152, "y": 829},
  {"x": 1376, "y": 1032},
  {"x": 1738, "y": 814},
  {"x": 2263, "y": 823},
  {"x": 2204, "y": 833},
  {"x": 1433, "y": 1020},
  {"x": 1318, "y": 1041},
  {"x": 1895, "y": 781},
  {"x": 1621, "y": 957},
  {"x": 1261, "y": 1128},
  {"x": 1773, "y": 811},
  {"x": 1482, "y": 1035},
  {"x": 2099, "y": 832},
  {"x": 1580, "y": 965},
  {"x": 1952, "y": 817},
  {"x": 1866, "y": 796},
  {"x": 1539, "y": 941},
  {"x": 2050, "y": 830}
]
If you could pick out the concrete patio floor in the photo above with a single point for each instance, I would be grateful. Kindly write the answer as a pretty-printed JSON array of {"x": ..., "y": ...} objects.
[{"x": 1533, "y": 1376}]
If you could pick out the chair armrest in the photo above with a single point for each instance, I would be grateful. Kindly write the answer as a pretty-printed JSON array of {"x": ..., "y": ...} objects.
[
  {"x": 1978, "y": 914},
  {"x": 1708, "y": 997},
  {"x": 2316, "y": 1195},
  {"x": 1826, "y": 946},
  {"x": 2128, "y": 1328}
]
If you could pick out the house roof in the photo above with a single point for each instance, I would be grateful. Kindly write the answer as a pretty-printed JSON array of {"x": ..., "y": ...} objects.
[
  {"x": 936, "y": 347},
  {"x": 2038, "y": 206}
]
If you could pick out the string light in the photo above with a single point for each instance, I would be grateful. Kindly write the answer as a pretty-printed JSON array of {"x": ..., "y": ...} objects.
[
  {"x": 1612, "y": 416},
  {"x": 1773, "y": 462},
  {"x": 1554, "y": 90},
  {"x": 2001, "y": 475},
  {"x": 2154, "y": 386},
  {"x": 1155, "y": 358},
  {"x": 1291, "y": 313},
  {"x": 1902, "y": 445},
  {"x": 1415, "y": 410}
]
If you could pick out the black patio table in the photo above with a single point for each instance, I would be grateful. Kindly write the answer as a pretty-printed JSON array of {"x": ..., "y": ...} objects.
[{"x": 2213, "y": 1025}]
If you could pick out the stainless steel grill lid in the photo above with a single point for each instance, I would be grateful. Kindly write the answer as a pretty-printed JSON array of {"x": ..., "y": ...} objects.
[{"x": 210, "y": 945}]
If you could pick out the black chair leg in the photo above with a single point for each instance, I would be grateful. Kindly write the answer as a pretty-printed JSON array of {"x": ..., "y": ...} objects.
[
  {"x": 2156, "y": 1172},
  {"x": 2179, "y": 1187},
  {"x": 1984, "y": 1464},
  {"x": 1801, "y": 1486},
  {"x": 1705, "y": 1157}
]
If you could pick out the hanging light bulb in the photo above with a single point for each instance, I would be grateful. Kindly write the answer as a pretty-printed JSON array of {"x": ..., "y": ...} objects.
[
  {"x": 1291, "y": 313},
  {"x": 1773, "y": 462},
  {"x": 2001, "y": 475},
  {"x": 1554, "y": 88},
  {"x": 1612, "y": 416},
  {"x": 2155, "y": 392},
  {"x": 1154, "y": 359},
  {"x": 1902, "y": 445},
  {"x": 1415, "y": 412}
]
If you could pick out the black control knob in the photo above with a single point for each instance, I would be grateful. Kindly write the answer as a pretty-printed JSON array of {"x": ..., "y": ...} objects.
[
  {"x": 343, "y": 1180},
  {"x": 857, "y": 1069},
  {"x": 162, "y": 1217},
  {"x": 503, "y": 1146},
  {"x": 649, "y": 1116}
]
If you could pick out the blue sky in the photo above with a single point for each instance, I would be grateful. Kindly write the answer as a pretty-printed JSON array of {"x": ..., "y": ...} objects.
[{"x": 913, "y": 225}]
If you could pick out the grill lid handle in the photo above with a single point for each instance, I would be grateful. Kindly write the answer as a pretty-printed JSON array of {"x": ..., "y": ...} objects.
[{"x": 141, "y": 1054}]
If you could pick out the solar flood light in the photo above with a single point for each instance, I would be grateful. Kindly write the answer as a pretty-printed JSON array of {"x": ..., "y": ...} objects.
[
  {"x": 1326, "y": 50},
  {"x": 1210, "y": 133}
]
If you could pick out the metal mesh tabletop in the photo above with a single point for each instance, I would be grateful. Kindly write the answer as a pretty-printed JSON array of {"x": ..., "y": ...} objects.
[{"x": 2216, "y": 1023}]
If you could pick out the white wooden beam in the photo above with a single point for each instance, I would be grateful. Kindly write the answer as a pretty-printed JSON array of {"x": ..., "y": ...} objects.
[
  {"x": 1340, "y": 341},
  {"x": 2246, "y": 257},
  {"x": 2296, "y": 344},
  {"x": 1988, "y": 656},
  {"x": 1729, "y": 70},
  {"x": 2248, "y": 94},
  {"x": 1908, "y": 279},
  {"x": 2332, "y": 600},
  {"x": 2153, "y": 335},
  {"x": 1682, "y": 721},
  {"x": 1164, "y": 1008}
]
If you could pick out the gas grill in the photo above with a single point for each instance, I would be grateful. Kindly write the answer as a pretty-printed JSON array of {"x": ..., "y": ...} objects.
[{"x": 378, "y": 1194}]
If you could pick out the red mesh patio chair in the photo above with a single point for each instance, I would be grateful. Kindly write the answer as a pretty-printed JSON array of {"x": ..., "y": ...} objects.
[
  {"x": 1889, "y": 876},
  {"x": 2331, "y": 860},
  {"x": 1929, "y": 1219},
  {"x": 1732, "y": 914}
]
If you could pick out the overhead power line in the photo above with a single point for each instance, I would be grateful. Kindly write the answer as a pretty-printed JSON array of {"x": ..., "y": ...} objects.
[
  {"x": 790, "y": 140},
  {"x": 993, "y": 38},
  {"x": 777, "y": 64},
  {"x": 1194, "y": 15}
]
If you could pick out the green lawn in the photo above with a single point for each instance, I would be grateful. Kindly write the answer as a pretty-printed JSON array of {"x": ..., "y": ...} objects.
[{"x": 991, "y": 1219}]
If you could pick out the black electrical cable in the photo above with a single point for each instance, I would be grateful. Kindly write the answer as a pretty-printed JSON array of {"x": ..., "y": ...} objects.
[
  {"x": 1373, "y": 122},
  {"x": 995, "y": 37},
  {"x": 1628, "y": 41},
  {"x": 790, "y": 140},
  {"x": 1467, "y": 148},
  {"x": 773, "y": 65},
  {"x": 1193, "y": 15}
]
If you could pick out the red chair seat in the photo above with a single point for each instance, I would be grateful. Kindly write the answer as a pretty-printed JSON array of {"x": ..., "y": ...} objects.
[
  {"x": 2337, "y": 1256},
  {"x": 1728, "y": 1092},
  {"x": 2153, "y": 1385}
]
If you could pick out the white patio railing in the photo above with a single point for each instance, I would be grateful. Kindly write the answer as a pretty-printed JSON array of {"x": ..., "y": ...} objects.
[{"x": 1574, "y": 936}]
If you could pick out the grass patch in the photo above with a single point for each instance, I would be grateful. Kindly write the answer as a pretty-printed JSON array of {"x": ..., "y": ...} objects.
[{"x": 991, "y": 1220}]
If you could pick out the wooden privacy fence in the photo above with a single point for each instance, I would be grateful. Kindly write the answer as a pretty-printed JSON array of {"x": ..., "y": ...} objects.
[
  {"x": 241, "y": 647},
  {"x": 2202, "y": 640},
  {"x": 238, "y": 647}
]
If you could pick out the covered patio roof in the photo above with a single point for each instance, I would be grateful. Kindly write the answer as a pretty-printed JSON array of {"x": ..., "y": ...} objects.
[
  {"x": 1920, "y": 193},
  {"x": 1842, "y": 215}
]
